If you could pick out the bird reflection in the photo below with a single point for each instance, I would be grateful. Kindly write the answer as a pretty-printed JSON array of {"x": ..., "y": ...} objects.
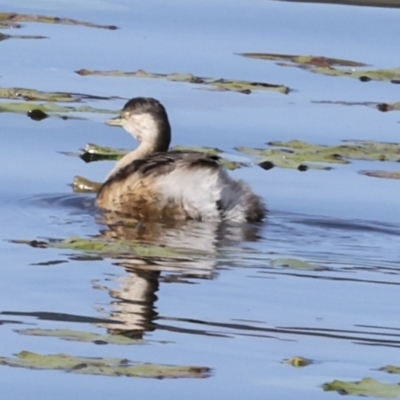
[{"x": 192, "y": 251}]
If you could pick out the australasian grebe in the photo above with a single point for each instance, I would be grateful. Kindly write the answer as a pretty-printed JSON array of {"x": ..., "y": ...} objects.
[{"x": 152, "y": 183}]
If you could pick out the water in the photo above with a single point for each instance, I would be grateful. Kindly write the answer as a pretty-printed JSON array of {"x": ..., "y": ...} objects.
[{"x": 229, "y": 304}]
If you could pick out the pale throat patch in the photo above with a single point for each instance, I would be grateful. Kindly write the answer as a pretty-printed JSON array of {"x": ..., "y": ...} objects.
[{"x": 143, "y": 127}]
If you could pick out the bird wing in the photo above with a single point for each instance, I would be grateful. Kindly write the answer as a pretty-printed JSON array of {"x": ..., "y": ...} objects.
[{"x": 163, "y": 163}]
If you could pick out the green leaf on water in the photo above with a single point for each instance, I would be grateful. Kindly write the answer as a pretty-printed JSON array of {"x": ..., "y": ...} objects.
[
  {"x": 50, "y": 107},
  {"x": 83, "y": 185},
  {"x": 268, "y": 158},
  {"x": 382, "y": 174},
  {"x": 81, "y": 336},
  {"x": 329, "y": 66},
  {"x": 298, "y": 361},
  {"x": 352, "y": 150},
  {"x": 392, "y": 75},
  {"x": 231, "y": 165},
  {"x": 113, "y": 248},
  {"x": 5, "y": 37},
  {"x": 93, "y": 152},
  {"x": 39, "y": 95},
  {"x": 39, "y": 111},
  {"x": 112, "y": 367},
  {"x": 391, "y": 369},
  {"x": 295, "y": 153},
  {"x": 13, "y": 19},
  {"x": 295, "y": 263},
  {"x": 219, "y": 84},
  {"x": 366, "y": 387},
  {"x": 384, "y": 107},
  {"x": 388, "y": 106},
  {"x": 296, "y": 60}
]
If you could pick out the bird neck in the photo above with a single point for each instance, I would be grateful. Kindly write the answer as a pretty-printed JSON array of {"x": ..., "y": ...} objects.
[
  {"x": 143, "y": 150},
  {"x": 154, "y": 135}
]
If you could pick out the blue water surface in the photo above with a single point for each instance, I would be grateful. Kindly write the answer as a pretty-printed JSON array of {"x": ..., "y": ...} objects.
[{"x": 234, "y": 309}]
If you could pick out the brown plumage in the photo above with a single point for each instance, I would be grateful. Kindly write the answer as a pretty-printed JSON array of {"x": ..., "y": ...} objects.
[
  {"x": 153, "y": 184},
  {"x": 132, "y": 189}
]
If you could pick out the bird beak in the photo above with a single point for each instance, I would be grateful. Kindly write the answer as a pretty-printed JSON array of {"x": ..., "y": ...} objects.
[{"x": 117, "y": 121}]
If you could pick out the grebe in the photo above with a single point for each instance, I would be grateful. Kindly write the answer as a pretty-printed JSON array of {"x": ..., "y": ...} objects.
[{"x": 152, "y": 183}]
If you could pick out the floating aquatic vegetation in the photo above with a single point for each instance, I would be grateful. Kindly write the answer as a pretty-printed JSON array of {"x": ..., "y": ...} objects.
[
  {"x": 391, "y": 369},
  {"x": 298, "y": 154},
  {"x": 297, "y": 361},
  {"x": 93, "y": 152},
  {"x": 5, "y": 37},
  {"x": 51, "y": 108},
  {"x": 382, "y": 174},
  {"x": 245, "y": 87},
  {"x": 81, "y": 336},
  {"x": 38, "y": 95},
  {"x": 113, "y": 248},
  {"x": 384, "y": 107},
  {"x": 40, "y": 111},
  {"x": 366, "y": 387},
  {"x": 270, "y": 158},
  {"x": 37, "y": 115},
  {"x": 388, "y": 106},
  {"x": 296, "y": 60},
  {"x": 9, "y": 25},
  {"x": 102, "y": 366},
  {"x": 12, "y": 20},
  {"x": 83, "y": 185},
  {"x": 295, "y": 263},
  {"x": 329, "y": 66},
  {"x": 49, "y": 263},
  {"x": 362, "y": 3}
]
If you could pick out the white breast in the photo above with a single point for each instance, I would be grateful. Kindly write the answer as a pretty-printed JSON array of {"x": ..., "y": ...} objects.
[{"x": 207, "y": 194}]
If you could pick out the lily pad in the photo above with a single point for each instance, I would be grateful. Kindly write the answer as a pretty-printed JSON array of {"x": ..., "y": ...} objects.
[
  {"x": 295, "y": 263},
  {"x": 93, "y": 152},
  {"x": 382, "y": 174},
  {"x": 9, "y": 25},
  {"x": 80, "y": 336},
  {"x": 388, "y": 106},
  {"x": 13, "y": 20},
  {"x": 83, "y": 185},
  {"x": 295, "y": 153},
  {"x": 361, "y": 3},
  {"x": 391, "y": 369},
  {"x": 50, "y": 107},
  {"x": 384, "y": 107},
  {"x": 269, "y": 158},
  {"x": 102, "y": 366},
  {"x": 113, "y": 248},
  {"x": 297, "y": 361},
  {"x": 366, "y": 387},
  {"x": 38, "y": 95},
  {"x": 219, "y": 84},
  {"x": 326, "y": 66},
  {"x": 5, "y": 37},
  {"x": 312, "y": 61}
]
